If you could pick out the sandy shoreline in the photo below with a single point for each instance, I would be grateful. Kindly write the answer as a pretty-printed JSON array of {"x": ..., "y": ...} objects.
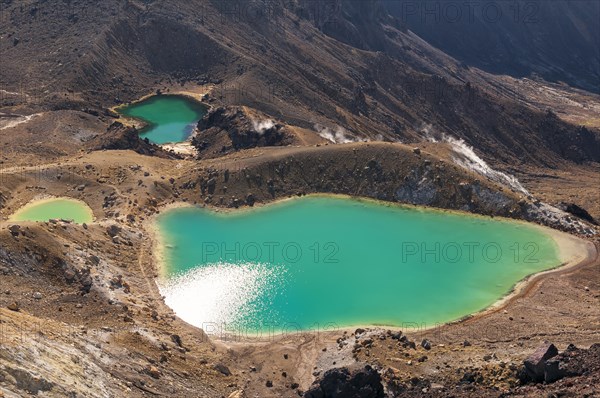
[
  {"x": 573, "y": 253},
  {"x": 185, "y": 147},
  {"x": 155, "y": 238}
]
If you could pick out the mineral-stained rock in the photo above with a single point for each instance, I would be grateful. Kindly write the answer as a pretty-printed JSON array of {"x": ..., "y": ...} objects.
[
  {"x": 153, "y": 372},
  {"x": 225, "y": 129},
  {"x": 29, "y": 382},
  {"x": 237, "y": 394},
  {"x": 417, "y": 189},
  {"x": 70, "y": 275}
]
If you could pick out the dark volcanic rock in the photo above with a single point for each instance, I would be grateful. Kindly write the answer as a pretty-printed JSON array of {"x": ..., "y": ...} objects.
[
  {"x": 226, "y": 129},
  {"x": 302, "y": 83},
  {"x": 572, "y": 362},
  {"x": 553, "y": 370},
  {"x": 14, "y": 230},
  {"x": 222, "y": 369},
  {"x": 471, "y": 377},
  {"x": 547, "y": 365},
  {"x": 548, "y": 32},
  {"x": 113, "y": 230},
  {"x": 577, "y": 211},
  {"x": 120, "y": 137},
  {"x": 344, "y": 382},
  {"x": 536, "y": 362},
  {"x": 426, "y": 344},
  {"x": 80, "y": 277},
  {"x": 177, "y": 340},
  {"x": 579, "y": 144}
]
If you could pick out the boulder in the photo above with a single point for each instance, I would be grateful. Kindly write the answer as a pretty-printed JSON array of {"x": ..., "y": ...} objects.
[
  {"x": 368, "y": 342},
  {"x": 364, "y": 382},
  {"x": 553, "y": 370},
  {"x": 572, "y": 362},
  {"x": 426, "y": 344},
  {"x": 14, "y": 230},
  {"x": 222, "y": 369},
  {"x": 577, "y": 211},
  {"x": 153, "y": 372},
  {"x": 113, "y": 230},
  {"x": 177, "y": 340},
  {"x": 535, "y": 364},
  {"x": 211, "y": 184}
]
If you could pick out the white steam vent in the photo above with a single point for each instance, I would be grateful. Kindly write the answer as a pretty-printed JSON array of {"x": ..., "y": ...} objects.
[
  {"x": 263, "y": 125},
  {"x": 467, "y": 158},
  {"x": 337, "y": 135}
]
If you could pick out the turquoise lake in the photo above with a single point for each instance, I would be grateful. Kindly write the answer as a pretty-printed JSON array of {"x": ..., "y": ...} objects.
[
  {"x": 169, "y": 118},
  {"x": 58, "y": 208},
  {"x": 327, "y": 262}
]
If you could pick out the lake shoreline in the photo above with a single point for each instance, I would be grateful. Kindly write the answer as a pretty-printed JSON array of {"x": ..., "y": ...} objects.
[
  {"x": 46, "y": 199},
  {"x": 146, "y": 127},
  {"x": 568, "y": 246}
]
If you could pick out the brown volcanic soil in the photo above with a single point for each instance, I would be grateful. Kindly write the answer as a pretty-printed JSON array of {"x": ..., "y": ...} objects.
[
  {"x": 393, "y": 86},
  {"x": 122, "y": 332},
  {"x": 48, "y": 136},
  {"x": 99, "y": 326},
  {"x": 576, "y": 184}
]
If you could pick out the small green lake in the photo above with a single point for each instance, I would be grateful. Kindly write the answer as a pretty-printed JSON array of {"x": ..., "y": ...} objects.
[
  {"x": 59, "y": 208},
  {"x": 168, "y": 118},
  {"x": 321, "y": 262}
]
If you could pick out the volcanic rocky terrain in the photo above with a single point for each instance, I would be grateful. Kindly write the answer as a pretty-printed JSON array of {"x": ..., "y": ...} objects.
[{"x": 359, "y": 98}]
